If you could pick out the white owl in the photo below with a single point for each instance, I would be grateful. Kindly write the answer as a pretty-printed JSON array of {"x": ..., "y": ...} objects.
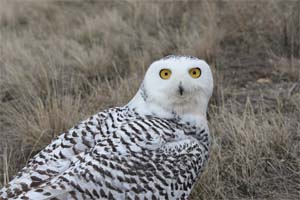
[{"x": 152, "y": 148}]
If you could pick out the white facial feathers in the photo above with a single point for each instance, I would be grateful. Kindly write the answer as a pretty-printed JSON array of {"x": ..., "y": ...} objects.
[{"x": 181, "y": 93}]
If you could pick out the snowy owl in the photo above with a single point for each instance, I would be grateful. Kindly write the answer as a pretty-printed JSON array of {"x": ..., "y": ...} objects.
[{"x": 154, "y": 147}]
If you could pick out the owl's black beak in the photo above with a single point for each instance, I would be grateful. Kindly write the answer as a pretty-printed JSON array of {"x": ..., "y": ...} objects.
[{"x": 180, "y": 89}]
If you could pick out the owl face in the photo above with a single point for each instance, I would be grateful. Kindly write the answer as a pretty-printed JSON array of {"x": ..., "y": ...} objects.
[
  {"x": 178, "y": 81},
  {"x": 175, "y": 86}
]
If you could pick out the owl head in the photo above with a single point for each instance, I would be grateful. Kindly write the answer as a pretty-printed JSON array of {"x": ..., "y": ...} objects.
[{"x": 175, "y": 85}]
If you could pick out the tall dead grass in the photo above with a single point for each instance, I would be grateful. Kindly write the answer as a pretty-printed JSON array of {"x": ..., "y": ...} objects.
[
  {"x": 261, "y": 160},
  {"x": 62, "y": 61}
]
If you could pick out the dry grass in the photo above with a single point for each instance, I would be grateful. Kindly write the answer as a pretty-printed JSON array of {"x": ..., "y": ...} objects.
[{"x": 63, "y": 61}]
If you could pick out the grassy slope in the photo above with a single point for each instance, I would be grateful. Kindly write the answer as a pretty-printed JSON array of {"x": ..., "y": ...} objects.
[{"x": 61, "y": 62}]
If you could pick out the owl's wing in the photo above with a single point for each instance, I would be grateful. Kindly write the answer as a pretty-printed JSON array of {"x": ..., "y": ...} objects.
[
  {"x": 168, "y": 172},
  {"x": 60, "y": 153},
  {"x": 124, "y": 154}
]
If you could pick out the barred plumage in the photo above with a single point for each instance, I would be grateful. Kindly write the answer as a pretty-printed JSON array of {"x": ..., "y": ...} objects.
[{"x": 144, "y": 150}]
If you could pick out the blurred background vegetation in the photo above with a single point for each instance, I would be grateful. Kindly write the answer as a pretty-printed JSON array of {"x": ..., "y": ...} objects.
[{"x": 62, "y": 61}]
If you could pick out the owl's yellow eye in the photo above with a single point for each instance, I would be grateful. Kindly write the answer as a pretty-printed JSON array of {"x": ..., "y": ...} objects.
[
  {"x": 195, "y": 72},
  {"x": 165, "y": 74}
]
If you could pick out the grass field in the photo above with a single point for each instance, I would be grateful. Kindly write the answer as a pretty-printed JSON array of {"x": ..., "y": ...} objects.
[{"x": 62, "y": 61}]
